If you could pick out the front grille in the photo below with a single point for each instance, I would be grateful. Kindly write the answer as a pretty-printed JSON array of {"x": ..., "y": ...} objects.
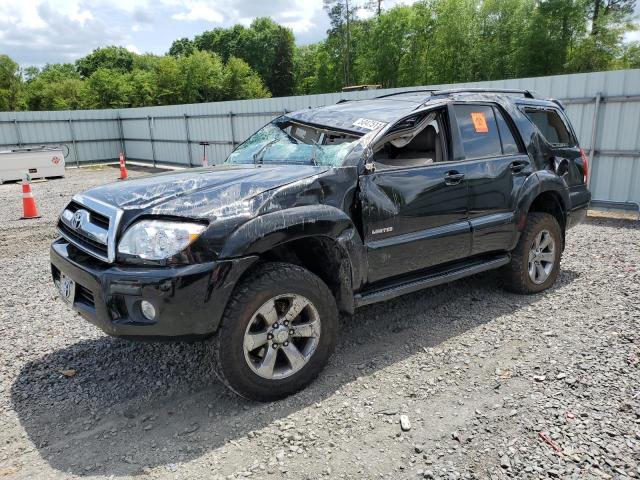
[
  {"x": 96, "y": 218},
  {"x": 91, "y": 225},
  {"x": 82, "y": 241}
]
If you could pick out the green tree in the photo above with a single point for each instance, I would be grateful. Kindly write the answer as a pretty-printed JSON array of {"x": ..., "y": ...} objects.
[
  {"x": 10, "y": 84},
  {"x": 341, "y": 16},
  {"x": 143, "y": 88},
  {"x": 182, "y": 47},
  {"x": 553, "y": 29},
  {"x": 604, "y": 11},
  {"x": 387, "y": 44},
  {"x": 114, "y": 58},
  {"x": 240, "y": 82},
  {"x": 107, "y": 88},
  {"x": 226, "y": 42},
  {"x": 501, "y": 25},
  {"x": 280, "y": 78},
  {"x": 269, "y": 51},
  {"x": 201, "y": 76},
  {"x": 631, "y": 56},
  {"x": 168, "y": 79},
  {"x": 603, "y": 49}
]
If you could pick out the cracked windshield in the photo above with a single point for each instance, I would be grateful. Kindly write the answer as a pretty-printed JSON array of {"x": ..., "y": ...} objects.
[{"x": 286, "y": 141}]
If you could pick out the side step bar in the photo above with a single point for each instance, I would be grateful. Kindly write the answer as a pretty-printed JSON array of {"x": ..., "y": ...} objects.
[{"x": 455, "y": 273}]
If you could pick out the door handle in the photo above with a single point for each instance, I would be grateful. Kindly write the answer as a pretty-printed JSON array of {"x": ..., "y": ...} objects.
[
  {"x": 453, "y": 177},
  {"x": 518, "y": 165}
]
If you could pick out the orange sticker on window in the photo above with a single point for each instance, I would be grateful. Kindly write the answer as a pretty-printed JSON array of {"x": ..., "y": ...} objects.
[{"x": 479, "y": 122}]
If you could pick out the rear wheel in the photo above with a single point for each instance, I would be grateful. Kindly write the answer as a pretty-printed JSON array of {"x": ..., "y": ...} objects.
[
  {"x": 277, "y": 333},
  {"x": 535, "y": 261}
]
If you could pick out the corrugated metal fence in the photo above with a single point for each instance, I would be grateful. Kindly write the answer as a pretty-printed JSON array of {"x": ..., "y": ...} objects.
[{"x": 604, "y": 108}]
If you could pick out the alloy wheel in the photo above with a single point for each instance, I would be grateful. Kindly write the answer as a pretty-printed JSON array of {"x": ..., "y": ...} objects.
[
  {"x": 542, "y": 257},
  {"x": 282, "y": 336}
]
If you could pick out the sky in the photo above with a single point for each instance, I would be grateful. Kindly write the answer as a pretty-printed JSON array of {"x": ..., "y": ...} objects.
[{"x": 36, "y": 32}]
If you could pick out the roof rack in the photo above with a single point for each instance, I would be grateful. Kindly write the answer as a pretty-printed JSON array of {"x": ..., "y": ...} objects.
[
  {"x": 406, "y": 92},
  {"x": 524, "y": 93}
]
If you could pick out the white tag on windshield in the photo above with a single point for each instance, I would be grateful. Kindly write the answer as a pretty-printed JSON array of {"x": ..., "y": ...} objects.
[{"x": 368, "y": 124}]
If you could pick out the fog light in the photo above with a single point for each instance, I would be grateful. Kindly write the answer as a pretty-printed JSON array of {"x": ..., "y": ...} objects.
[{"x": 148, "y": 310}]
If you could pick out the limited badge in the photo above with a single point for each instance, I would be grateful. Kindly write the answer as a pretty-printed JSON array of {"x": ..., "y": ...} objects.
[{"x": 479, "y": 122}]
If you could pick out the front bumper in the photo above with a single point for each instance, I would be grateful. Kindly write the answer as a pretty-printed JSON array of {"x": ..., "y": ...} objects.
[{"x": 189, "y": 300}]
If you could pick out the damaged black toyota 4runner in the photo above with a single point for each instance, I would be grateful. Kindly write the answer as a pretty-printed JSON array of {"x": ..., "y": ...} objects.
[{"x": 322, "y": 211}]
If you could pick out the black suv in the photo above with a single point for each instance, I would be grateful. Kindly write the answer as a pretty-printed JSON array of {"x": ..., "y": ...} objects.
[{"x": 322, "y": 211}]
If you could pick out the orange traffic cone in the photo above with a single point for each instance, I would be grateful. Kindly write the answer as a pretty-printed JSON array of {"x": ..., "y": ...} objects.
[
  {"x": 123, "y": 168},
  {"x": 29, "y": 208}
]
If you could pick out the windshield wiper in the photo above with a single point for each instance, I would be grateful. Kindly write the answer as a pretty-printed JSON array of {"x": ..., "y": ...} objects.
[{"x": 257, "y": 156}]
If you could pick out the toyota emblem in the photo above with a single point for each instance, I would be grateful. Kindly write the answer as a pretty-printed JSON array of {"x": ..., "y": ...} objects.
[{"x": 76, "y": 221}]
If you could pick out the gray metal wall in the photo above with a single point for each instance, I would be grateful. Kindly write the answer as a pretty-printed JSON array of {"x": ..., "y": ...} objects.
[{"x": 608, "y": 101}]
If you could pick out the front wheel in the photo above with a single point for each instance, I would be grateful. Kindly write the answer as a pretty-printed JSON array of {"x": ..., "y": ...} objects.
[
  {"x": 277, "y": 333},
  {"x": 535, "y": 262}
]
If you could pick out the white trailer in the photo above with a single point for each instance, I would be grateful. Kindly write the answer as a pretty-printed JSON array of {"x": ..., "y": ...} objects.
[{"x": 38, "y": 162}]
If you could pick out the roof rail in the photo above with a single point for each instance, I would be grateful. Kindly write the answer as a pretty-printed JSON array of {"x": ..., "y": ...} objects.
[
  {"x": 524, "y": 93},
  {"x": 405, "y": 92}
]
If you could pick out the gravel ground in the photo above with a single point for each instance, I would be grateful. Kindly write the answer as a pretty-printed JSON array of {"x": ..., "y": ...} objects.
[{"x": 493, "y": 385}]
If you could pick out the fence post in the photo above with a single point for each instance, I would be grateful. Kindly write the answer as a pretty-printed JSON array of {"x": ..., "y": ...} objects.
[
  {"x": 153, "y": 147},
  {"x": 594, "y": 134},
  {"x": 186, "y": 131},
  {"x": 233, "y": 131},
  {"x": 123, "y": 147},
  {"x": 18, "y": 134},
  {"x": 73, "y": 141}
]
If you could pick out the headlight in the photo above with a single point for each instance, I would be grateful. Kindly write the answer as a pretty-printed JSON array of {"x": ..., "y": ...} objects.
[{"x": 157, "y": 239}]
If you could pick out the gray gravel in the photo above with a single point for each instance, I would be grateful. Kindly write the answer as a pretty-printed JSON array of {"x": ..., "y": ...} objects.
[{"x": 493, "y": 385}]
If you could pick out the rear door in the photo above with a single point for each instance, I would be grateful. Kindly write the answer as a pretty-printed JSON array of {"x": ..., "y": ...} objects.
[
  {"x": 496, "y": 170},
  {"x": 414, "y": 207}
]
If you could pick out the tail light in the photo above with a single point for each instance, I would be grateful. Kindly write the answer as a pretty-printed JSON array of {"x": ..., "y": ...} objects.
[{"x": 585, "y": 165}]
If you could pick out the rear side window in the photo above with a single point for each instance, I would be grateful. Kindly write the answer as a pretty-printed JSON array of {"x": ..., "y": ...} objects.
[{"x": 551, "y": 127}]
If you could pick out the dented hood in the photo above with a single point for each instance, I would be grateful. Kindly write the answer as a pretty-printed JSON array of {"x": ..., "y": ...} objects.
[{"x": 198, "y": 192}]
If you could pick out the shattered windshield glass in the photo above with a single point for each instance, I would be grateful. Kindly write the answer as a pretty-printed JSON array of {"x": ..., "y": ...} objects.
[{"x": 291, "y": 142}]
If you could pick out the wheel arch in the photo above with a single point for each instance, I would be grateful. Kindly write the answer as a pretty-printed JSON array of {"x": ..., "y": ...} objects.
[
  {"x": 320, "y": 238},
  {"x": 546, "y": 193}
]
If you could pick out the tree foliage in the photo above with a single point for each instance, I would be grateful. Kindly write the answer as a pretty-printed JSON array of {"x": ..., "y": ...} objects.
[
  {"x": 112, "y": 58},
  {"x": 427, "y": 42}
]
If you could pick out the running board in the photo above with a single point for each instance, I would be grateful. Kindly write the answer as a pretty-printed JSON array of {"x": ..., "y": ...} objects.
[{"x": 387, "y": 293}]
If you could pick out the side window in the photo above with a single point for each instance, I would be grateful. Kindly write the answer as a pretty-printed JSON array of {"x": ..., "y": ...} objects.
[
  {"x": 509, "y": 144},
  {"x": 413, "y": 142},
  {"x": 478, "y": 131},
  {"x": 551, "y": 126}
]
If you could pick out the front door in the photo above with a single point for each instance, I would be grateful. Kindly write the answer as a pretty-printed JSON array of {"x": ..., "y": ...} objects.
[{"x": 414, "y": 206}]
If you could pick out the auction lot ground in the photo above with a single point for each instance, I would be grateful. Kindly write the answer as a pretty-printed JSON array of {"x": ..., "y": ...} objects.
[{"x": 495, "y": 385}]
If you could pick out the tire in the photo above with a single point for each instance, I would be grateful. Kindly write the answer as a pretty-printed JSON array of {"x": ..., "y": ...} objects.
[
  {"x": 270, "y": 294},
  {"x": 517, "y": 275}
]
